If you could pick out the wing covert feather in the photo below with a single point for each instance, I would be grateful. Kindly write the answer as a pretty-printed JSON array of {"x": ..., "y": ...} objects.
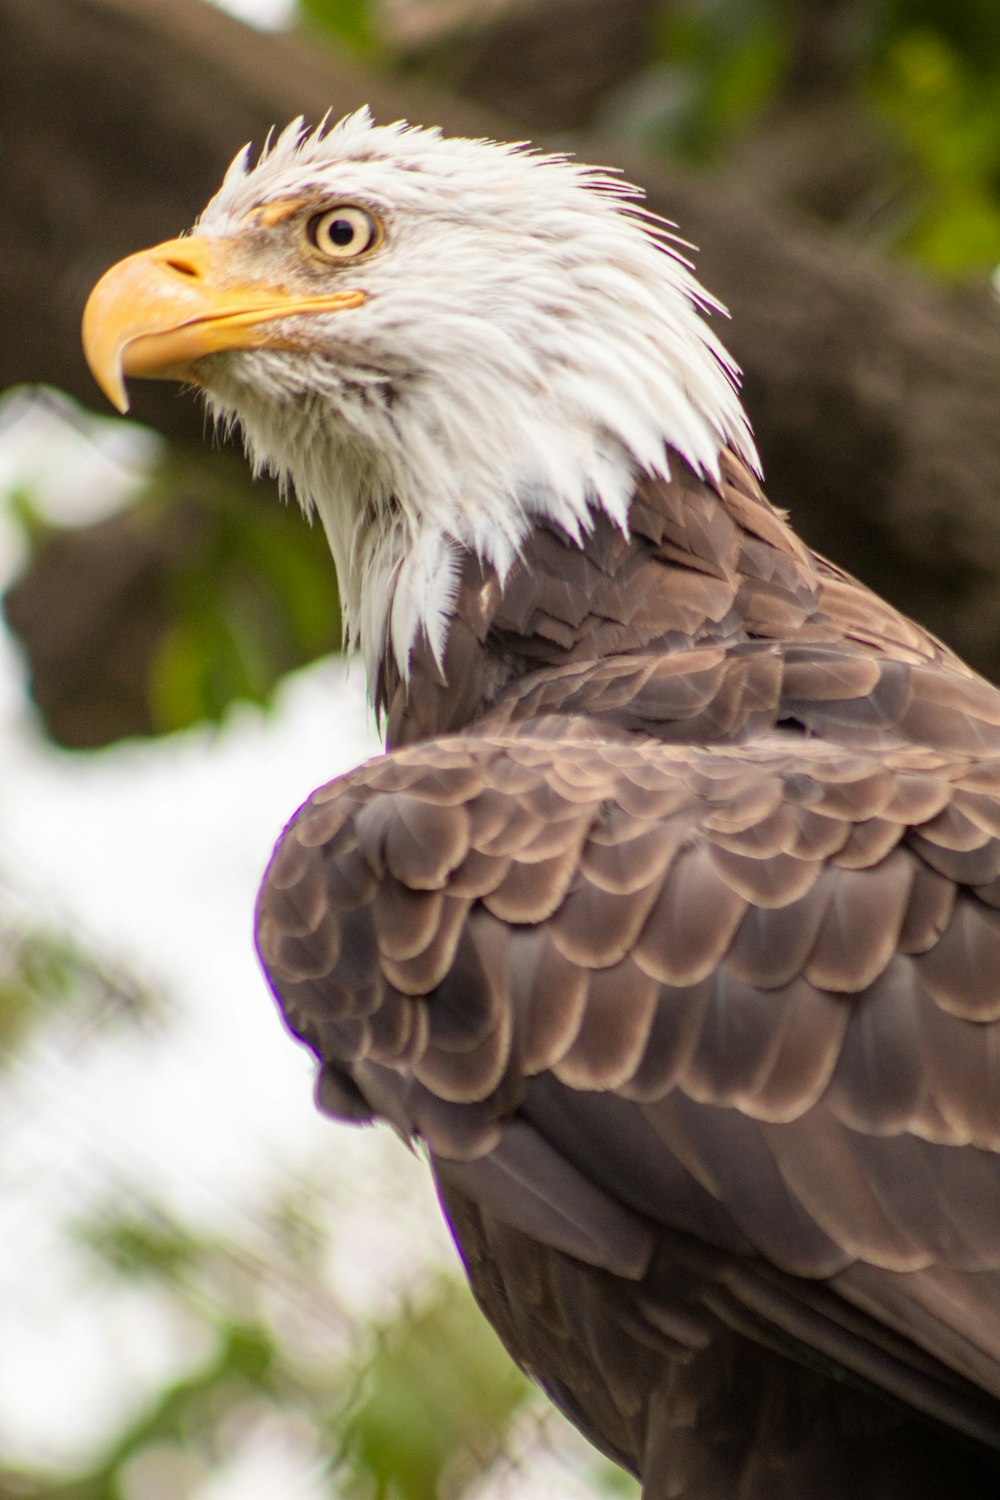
[{"x": 741, "y": 992}]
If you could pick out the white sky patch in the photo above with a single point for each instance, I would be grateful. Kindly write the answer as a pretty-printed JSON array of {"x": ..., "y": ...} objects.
[
  {"x": 265, "y": 15},
  {"x": 43, "y": 434}
]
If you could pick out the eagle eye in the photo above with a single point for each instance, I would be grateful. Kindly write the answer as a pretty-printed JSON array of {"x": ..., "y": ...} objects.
[{"x": 342, "y": 233}]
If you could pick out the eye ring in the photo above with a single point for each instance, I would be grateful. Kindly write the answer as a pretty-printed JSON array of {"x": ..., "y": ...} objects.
[{"x": 343, "y": 232}]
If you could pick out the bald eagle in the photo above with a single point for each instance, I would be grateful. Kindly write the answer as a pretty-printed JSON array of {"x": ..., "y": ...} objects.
[{"x": 669, "y": 923}]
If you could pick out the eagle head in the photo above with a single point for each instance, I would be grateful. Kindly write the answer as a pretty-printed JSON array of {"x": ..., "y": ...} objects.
[{"x": 437, "y": 342}]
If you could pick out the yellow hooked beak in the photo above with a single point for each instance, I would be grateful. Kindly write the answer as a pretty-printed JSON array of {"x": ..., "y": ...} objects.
[{"x": 157, "y": 313}]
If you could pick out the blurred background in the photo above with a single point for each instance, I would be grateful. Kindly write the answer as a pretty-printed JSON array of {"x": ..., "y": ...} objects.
[{"x": 206, "y": 1291}]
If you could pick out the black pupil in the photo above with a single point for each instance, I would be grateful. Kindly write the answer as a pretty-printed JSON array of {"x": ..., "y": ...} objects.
[{"x": 341, "y": 232}]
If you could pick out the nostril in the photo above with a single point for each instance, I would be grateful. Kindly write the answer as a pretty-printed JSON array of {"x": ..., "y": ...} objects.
[{"x": 183, "y": 267}]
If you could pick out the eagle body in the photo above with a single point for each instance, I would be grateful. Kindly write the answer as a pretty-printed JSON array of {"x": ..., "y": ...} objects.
[{"x": 669, "y": 923}]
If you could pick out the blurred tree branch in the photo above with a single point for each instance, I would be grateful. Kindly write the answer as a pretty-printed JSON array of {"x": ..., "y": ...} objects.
[
  {"x": 874, "y": 395},
  {"x": 548, "y": 63}
]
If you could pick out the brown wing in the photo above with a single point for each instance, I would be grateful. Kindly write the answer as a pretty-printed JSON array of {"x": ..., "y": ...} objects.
[{"x": 746, "y": 997}]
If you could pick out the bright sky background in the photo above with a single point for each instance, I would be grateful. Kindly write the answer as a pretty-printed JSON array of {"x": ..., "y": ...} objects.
[{"x": 268, "y": 15}]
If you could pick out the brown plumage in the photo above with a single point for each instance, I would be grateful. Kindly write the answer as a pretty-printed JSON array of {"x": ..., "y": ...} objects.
[{"x": 671, "y": 926}]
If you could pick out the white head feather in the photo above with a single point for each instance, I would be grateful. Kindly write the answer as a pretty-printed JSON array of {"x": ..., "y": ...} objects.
[{"x": 529, "y": 341}]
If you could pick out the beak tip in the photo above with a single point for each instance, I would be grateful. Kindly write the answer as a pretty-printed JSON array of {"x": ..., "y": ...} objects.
[
  {"x": 106, "y": 333},
  {"x": 112, "y": 384}
]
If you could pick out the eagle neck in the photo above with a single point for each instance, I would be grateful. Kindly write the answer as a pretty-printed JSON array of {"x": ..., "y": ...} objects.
[{"x": 701, "y": 562}]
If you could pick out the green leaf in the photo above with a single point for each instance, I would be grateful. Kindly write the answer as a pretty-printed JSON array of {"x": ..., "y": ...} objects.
[
  {"x": 46, "y": 975},
  {"x": 943, "y": 109},
  {"x": 251, "y": 596},
  {"x": 349, "y": 21},
  {"x": 438, "y": 1398},
  {"x": 721, "y": 63}
]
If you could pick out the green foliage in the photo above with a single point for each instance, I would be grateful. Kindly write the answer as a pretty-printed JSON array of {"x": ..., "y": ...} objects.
[
  {"x": 183, "y": 1418},
  {"x": 251, "y": 592},
  {"x": 47, "y": 977},
  {"x": 925, "y": 77},
  {"x": 346, "y": 21},
  {"x": 420, "y": 1409},
  {"x": 204, "y": 590},
  {"x": 144, "y": 1244},
  {"x": 720, "y": 63},
  {"x": 931, "y": 86},
  {"x": 249, "y": 1374},
  {"x": 971, "y": 30},
  {"x": 439, "y": 1395}
]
